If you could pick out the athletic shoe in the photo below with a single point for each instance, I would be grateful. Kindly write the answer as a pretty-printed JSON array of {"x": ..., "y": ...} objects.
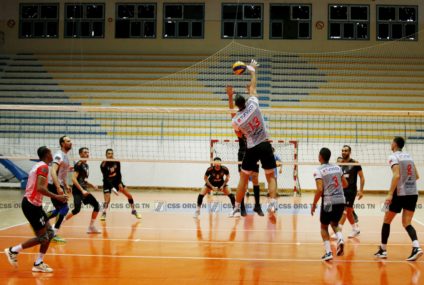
[
  {"x": 258, "y": 210},
  {"x": 11, "y": 256},
  {"x": 58, "y": 239},
  {"x": 327, "y": 256},
  {"x": 196, "y": 214},
  {"x": 354, "y": 233},
  {"x": 42, "y": 267},
  {"x": 116, "y": 192},
  {"x": 103, "y": 217},
  {"x": 137, "y": 215},
  {"x": 381, "y": 253},
  {"x": 236, "y": 213},
  {"x": 415, "y": 254},
  {"x": 93, "y": 230},
  {"x": 340, "y": 248}
]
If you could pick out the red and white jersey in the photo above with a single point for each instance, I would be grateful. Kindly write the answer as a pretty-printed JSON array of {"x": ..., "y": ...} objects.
[
  {"x": 31, "y": 191},
  {"x": 407, "y": 184}
]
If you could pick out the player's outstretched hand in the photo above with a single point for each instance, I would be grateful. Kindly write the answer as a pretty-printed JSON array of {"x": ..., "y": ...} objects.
[
  {"x": 62, "y": 198},
  {"x": 313, "y": 207},
  {"x": 230, "y": 91},
  {"x": 253, "y": 65}
]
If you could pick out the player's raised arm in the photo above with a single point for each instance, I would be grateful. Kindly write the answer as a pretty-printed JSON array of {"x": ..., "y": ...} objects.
[
  {"x": 253, "y": 81},
  {"x": 230, "y": 94}
]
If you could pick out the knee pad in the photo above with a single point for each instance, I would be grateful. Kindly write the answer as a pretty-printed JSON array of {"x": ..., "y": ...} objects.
[
  {"x": 64, "y": 210},
  {"x": 131, "y": 201},
  {"x": 43, "y": 238},
  {"x": 75, "y": 211},
  {"x": 50, "y": 233},
  {"x": 96, "y": 206}
]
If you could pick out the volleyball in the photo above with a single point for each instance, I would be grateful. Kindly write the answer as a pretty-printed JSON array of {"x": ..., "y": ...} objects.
[{"x": 239, "y": 67}]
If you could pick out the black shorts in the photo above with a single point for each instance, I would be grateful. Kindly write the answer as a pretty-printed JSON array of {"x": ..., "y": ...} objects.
[
  {"x": 109, "y": 184},
  {"x": 408, "y": 202},
  {"x": 332, "y": 216},
  {"x": 350, "y": 196},
  {"x": 240, "y": 157},
  {"x": 218, "y": 184},
  {"x": 262, "y": 152},
  {"x": 56, "y": 203},
  {"x": 35, "y": 215}
]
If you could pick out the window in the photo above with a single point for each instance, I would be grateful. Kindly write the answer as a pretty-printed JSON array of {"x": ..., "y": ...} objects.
[
  {"x": 397, "y": 22},
  {"x": 244, "y": 21},
  {"x": 183, "y": 21},
  {"x": 348, "y": 22},
  {"x": 38, "y": 21},
  {"x": 290, "y": 21},
  {"x": 135, "y": 21},
  {"x": 84, "y": 20}
]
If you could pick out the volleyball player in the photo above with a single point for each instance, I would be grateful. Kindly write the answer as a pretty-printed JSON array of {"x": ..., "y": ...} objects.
[
  {"x": 214, "y": 180},
  {"x": 330, "y": 182},
  {"x": 240, "y": 155},
  {"x": 403, "y": 195},
  {"x": 351, "y": 173},
  {"x": 58, "y": 184},
  {"x": 32, "y": 207},
  {"x": 80, "y": 192},
  {"x": 112, "y": 181},
  {"x": 279, "y": 168},
  {"x": 249, "y": 122}
]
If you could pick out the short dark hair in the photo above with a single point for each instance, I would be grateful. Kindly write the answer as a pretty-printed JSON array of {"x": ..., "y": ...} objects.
[
  {"x": 350, "y": 149},
  {"x": 240, "y": 101},
  {"x": 217, "y": 158},
  {"x": 42, "y": 152},
  {"x": 400, "y": 142},
  {"x": 82, "y": 149},
  {"x": 109, "y": 149},
  {"x": 62, "y": 139},
  {"x": 325, "y": 154}
]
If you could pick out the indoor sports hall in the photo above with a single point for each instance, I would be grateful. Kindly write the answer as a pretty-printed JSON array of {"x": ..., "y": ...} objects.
[{"x": 122, "y": 124}]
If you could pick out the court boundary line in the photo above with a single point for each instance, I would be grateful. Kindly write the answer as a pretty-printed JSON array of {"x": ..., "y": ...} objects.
[{"x": 17, "y": 225}]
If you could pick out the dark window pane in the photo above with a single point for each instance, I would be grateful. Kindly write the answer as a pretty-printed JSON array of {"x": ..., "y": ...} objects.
[
  {"x": 338, "y": 12},
  {"x": 383, "y": 31},
  {"x": 193, "y": 12},
  {"x": 359, "y": 13},
  {"x": 52, "y": 29},
  {"x": 126, "y": 11},
  {"x": 26, "y": 29},
  {"x": 335, "y": 32},
  {"x": 348, "y": 31},
  {"x": 146, "y": 11},
  {"x": 38, "y": 29},
  {"x": 95, "y": 11},
  {"x": 196, "y": 29},
  {"x": 300, "y": 12},
  {"x": 410, "y": 30},
  {"x": 252, "y": 12},
  {"x": 256, "y": 30},
  {"x": 228, "y": 29},
  {"x": 407, "y": 14},
  {"x": 169, "y": 29},
  {"x": 242, "y": 29},
  {"x": 386, "y": 13},
  {"x": 85, "y": 29},
  {"x": 122, "y": 29},
  {"x": 276, "y": 30},
  {"x": 183, "y": 29},
  {"x": 362, "y": 30},
  {"x": 48, "y": 12},
  {"x": 149, "y": 29},
  {"x": 232, "y": 12},
  {"x": 29, "y": 12},
  {"x": 135, "y": 29},
  {"x": 97, "y": 29},
  {"x": 74, "y": 11},
  {"x": 71, "y": 29},
  {"x": 173, "y": 12},
  {"x": 280, "y": 12},
  {"x": 304, "y": 30},
  {"x": 290, "y": 30},
  {"x": 397, "y": 31}
]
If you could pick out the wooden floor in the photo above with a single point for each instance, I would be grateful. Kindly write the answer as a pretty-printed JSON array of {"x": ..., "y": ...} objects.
[{"x": 168, "y": 246}]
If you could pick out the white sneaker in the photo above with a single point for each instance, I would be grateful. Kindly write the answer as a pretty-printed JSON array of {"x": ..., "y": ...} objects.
[
  {"x": 11, "y": 257},
  {"x": 42, "y": 267},
  {"x": 236, "y": 213},
  {"x": 196, "y": 214},
  {"x": 93, "y": 230},
  {"x": 354, "y": 233}
]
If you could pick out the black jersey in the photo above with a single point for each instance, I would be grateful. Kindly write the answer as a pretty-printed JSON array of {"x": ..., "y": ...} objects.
[
  {"x": 111, "y": 170},
  {"x": 215, "y": 176},
  {"x": 82, "y": 168},
  {"x": 350, "y": 172}
]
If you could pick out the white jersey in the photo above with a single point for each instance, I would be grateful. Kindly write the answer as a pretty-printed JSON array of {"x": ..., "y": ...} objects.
[
  {"x": 61, "y": 159},
  {"x": 251, "y": 123},
  {"x": 331, "y": 176},
  {"x": 407, "y": 184}
]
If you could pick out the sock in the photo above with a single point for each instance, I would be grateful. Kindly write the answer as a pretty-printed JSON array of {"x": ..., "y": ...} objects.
[
  {"x": 273, "y": 202},
  {"x": 17, "y": 248},
  {"x": 415, "y": 243},
  {"x": 237, "y": 205},
  {"x": 354, "y": 226},
  {"x": 383, "y": 246},
  {"x": 92, "y": 222},
  {"x": 243, "y": 207},
  {"x": 256, "y": 192},
  {"x": 39, "y": 258},
  {"x": 411, "y": 232},
  {"x": 200, "y": 200},
  {"x": 232, "y": 199},
  {"x": 385, "y": 232},
  {"x": 339, "y": 236},
  {"x": 327, "y": 246}
]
